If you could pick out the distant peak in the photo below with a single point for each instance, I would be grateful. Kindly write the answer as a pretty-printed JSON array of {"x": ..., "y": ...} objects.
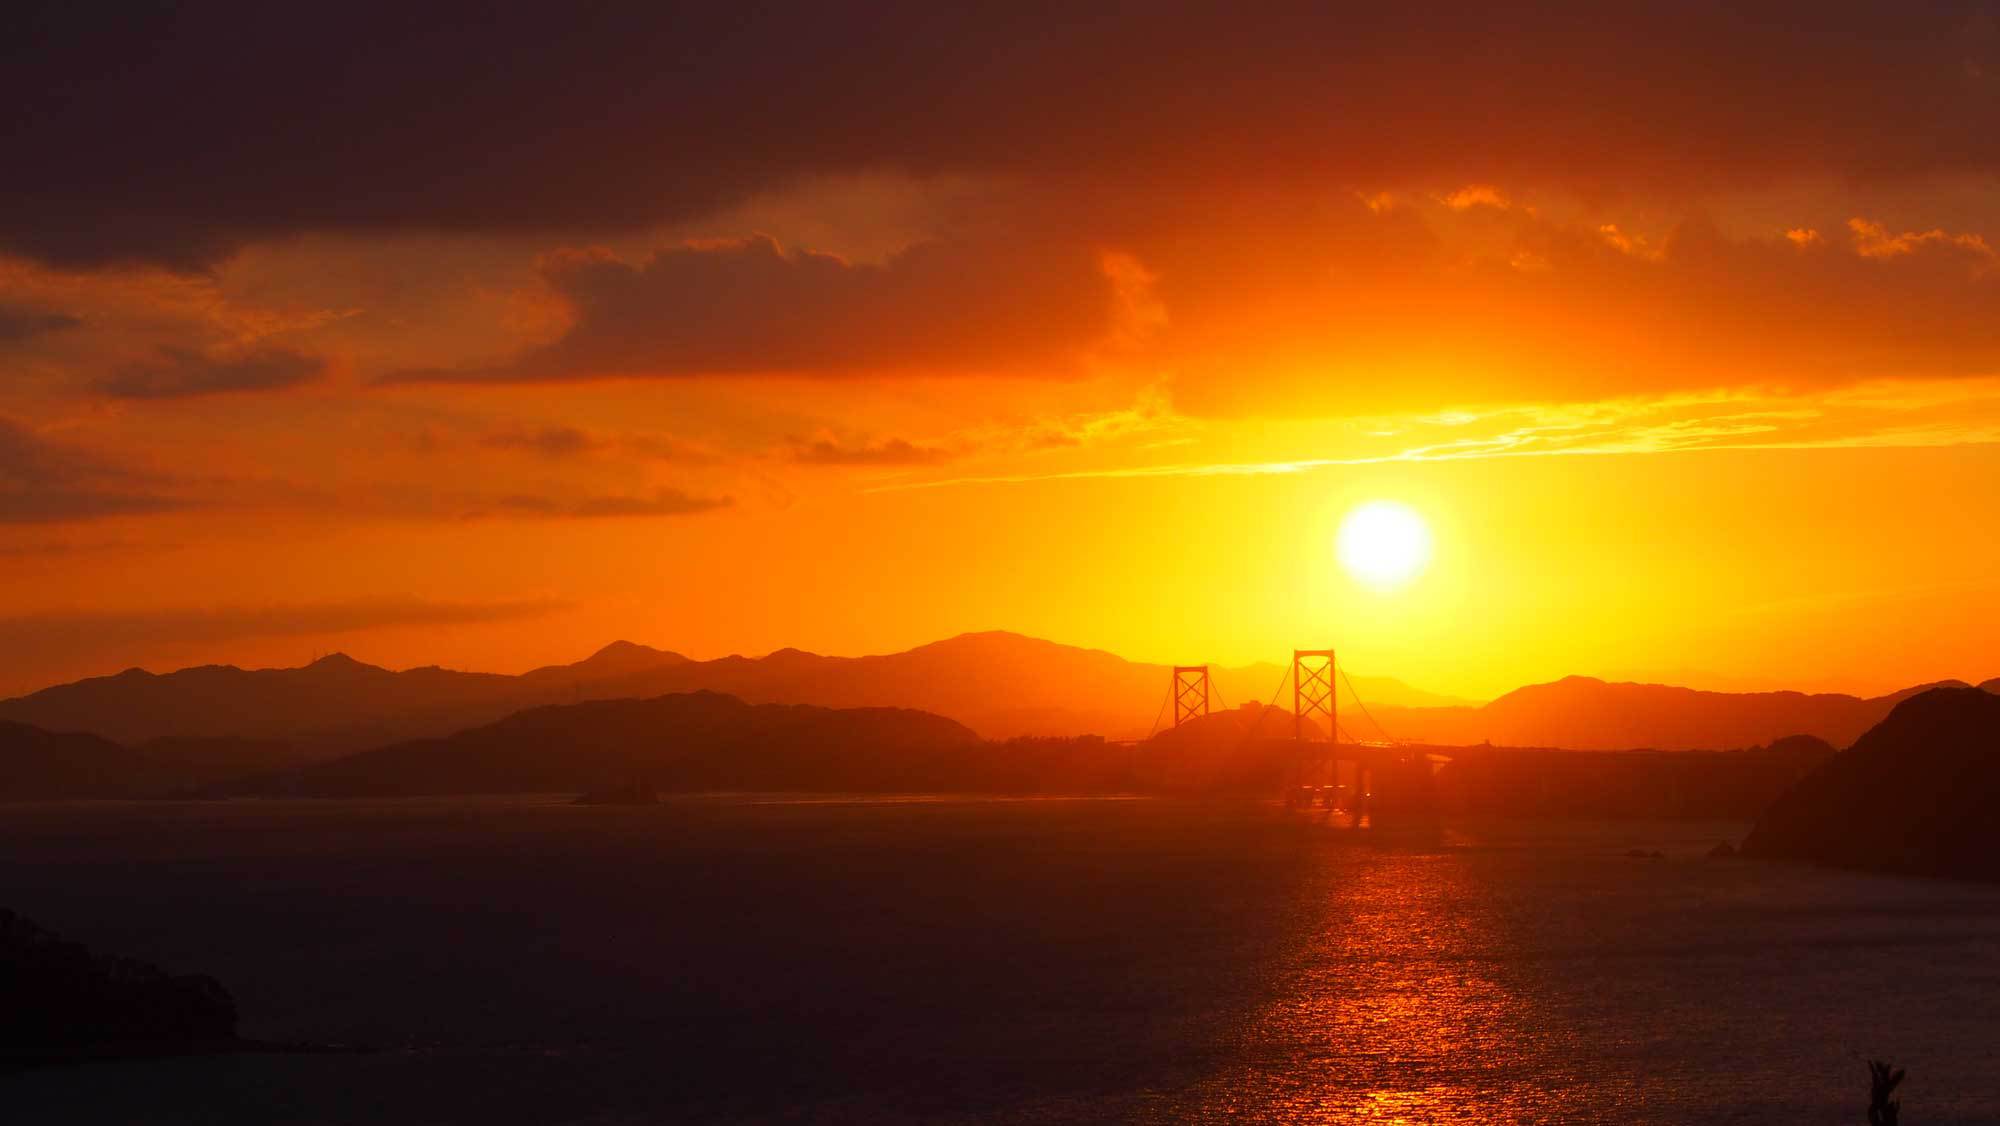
[
  {"x": 340, "y": 664},
  {"x": 623, "y": 648},
  {"x": 622, "y": 654},
  {"x": 1916, "y": 690},
  {"x": 989, "y": 639}
]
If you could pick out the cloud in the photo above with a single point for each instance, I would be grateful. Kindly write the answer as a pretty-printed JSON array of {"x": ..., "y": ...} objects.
[
  {"x": 662, "y": 502},
  {"x": 562, "y": 442},
  {"x": 1873, "y": 240},
  {"x": 398, "y": 117},
  {"x": 19, "y": 323},
  {"x": 1884, "y": 414},
  {"x": 751, "y": 306},
  {"x": 547, "y": 441},
  {"x": 43, "y": 481},
  {"x": 893, "y": 452},
  {"x": 177, "y": 373},
  {"x": 1475, "y": 195},
  {"x": 1425, "y": 307}
]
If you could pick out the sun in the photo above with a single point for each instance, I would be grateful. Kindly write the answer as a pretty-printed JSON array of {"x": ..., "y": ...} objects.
[{"x": 1384, "y": 544}]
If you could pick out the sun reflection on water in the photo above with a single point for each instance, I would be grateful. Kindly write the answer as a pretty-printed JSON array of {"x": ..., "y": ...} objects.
[{"x": 1391, "y": 1006}]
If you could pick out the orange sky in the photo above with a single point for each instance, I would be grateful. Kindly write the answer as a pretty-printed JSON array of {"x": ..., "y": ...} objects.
[{"x": 1703, "y": 388}]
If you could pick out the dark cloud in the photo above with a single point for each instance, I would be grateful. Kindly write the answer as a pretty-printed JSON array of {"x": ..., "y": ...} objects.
[
  {"x": 19, "y": 323},
  {"x": 663, "y": 502},
  {"x": 50, "y": 503},
  {"x": 177, "y": 373},
  {"x": 43, "y": 481},
  {"x": 895, "y": 451},
  {"x": 559, "y": 442},
  {"x": 548, "y": 441},
  {"x": 1023, "y": 305},
  {"x": 175, "y": 132}
]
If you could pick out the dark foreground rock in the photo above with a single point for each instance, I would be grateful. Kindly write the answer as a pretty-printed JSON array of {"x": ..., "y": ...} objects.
[
  {"x": 64, "y": 1003},
  {"x": 1917, "y": 794}
]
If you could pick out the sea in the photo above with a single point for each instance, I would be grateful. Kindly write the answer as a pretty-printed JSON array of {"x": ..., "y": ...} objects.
[{"x": 939, "y": 958}]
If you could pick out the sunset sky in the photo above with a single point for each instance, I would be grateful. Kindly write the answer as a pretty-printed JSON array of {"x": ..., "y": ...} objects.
[{"x": 485, "y": 340}]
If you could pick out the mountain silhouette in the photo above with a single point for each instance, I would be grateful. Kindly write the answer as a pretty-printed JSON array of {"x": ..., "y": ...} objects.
[
  {"x": 47, "y": 764},
  {"x": 1002, "y": 685},
  {"x": 333, "y": 705},
  {"x": 1584, "y": 713},
  {"x": 1916, "y": 794},
  {"x": 44, "y": 765},
  {"x": 681, "y": 742},
  {"x": 620, "y": 658}
]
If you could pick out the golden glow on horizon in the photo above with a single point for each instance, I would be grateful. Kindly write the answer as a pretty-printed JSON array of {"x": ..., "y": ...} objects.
[
  {"x": 1384, "y": 545},
  {"x": 1610, "y": 485}
]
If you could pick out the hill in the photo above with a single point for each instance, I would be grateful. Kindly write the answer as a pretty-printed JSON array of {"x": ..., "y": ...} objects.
[
  {"x": 1915, "y": 794},
  {"x": 1251, "y": 721},
  {"x": 49, "y": 766},
  {"x": 1000, "y": 684},
  {"x": 683, "y": 742},
  {"x": 1584, "y": 713}
]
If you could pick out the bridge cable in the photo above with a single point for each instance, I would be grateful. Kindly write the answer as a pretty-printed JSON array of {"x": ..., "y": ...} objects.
[
  {"x": 1258, "y": 722},
  {"x": 1364, "y": 707},
  {"x": 1164, "y": 701}
]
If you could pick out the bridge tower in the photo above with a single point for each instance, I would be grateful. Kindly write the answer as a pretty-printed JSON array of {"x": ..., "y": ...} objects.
[
  {"x": 1312, "y": 692},
  {"x": 1190, "y": 692}
]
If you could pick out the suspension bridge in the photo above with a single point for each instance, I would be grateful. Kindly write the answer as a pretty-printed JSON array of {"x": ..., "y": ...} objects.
[{"x": 1327, "y": 766}]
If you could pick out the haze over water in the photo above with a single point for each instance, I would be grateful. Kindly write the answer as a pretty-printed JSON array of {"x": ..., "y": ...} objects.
[{"x": 1040, "y": 960}]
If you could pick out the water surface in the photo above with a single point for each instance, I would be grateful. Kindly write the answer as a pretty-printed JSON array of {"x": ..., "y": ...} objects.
[{"x": 744, "y": 958}]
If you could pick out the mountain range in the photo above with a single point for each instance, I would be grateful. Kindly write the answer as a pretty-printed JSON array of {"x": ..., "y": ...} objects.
[{"x": 999, "y": 685}]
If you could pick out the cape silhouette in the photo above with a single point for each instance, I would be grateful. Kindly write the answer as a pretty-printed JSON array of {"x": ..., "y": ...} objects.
[
  {"x": 1916, "y": 794},
  {"x": 66, "y": 1003}
]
